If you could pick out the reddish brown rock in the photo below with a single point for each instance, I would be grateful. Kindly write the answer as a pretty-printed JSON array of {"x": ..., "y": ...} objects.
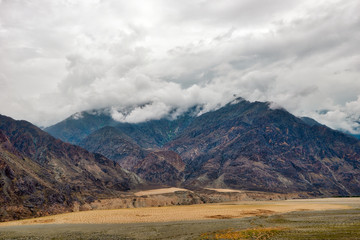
[
  {"x": 41, "y": 175},
  {"x": 161, "y": 167}
]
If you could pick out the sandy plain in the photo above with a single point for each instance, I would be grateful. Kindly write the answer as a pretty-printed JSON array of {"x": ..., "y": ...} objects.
[
  {"x": 224, "y": 190},
  {"x": 159, "y": 191},
  {"x": 229, "y": 210}
]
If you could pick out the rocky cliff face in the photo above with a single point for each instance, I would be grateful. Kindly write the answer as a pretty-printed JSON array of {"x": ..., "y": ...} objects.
[
  {"x": 243, "y": 145},
  {"x": 116, "y": 145},
  {"x": 155, "y": 166},
  {"x": 161, "y": 167},
  {"x": 40, "y": 175}
]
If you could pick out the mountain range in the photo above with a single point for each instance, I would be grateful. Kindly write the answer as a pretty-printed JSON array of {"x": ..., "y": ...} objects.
[{"x": 243, "y": 145}]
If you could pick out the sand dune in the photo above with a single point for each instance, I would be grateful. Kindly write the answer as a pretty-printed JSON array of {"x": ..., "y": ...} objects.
[{"x": 192, "y": 212}]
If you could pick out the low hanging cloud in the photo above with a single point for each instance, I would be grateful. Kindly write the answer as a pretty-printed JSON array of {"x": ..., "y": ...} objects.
[{"x": 62, "y": 57}]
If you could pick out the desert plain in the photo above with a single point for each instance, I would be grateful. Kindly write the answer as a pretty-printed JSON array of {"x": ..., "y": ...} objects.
[{"x": 326, "y": 218}]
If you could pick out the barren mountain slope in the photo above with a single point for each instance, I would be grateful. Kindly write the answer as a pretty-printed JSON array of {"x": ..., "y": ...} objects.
[{"x": 40, "y": 174}]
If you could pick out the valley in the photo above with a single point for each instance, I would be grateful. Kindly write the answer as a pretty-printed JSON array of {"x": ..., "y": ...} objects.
[
  {"x": 161, "y": 119},
  {"x": 228, "y": 210},
  {"x": 286, "y": 219},
  {"x": 243, "y": 151}
]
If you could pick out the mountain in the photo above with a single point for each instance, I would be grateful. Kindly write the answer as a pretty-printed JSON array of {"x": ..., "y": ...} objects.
[
  {"x": 356, "y": 135},
  {"x": 116, "y": 145},
  {"x": 41, "y": 175},
  {"x": 310, "y": 121},
  {"x": 251, "y": 146},
  {"x": 149, "y": 134},
  {"x": 243, "y": 145},
  {"x": 157, "y": 167},
  {"x": 78, "y": 126},
  {"x": 161, "y": 167},
  {"x": 156, "y": 133}
]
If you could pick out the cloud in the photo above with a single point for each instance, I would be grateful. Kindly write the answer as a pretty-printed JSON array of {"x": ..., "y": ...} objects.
[
  {"x": 62, "y": 57},
  {"x": 144, "y": 113}
]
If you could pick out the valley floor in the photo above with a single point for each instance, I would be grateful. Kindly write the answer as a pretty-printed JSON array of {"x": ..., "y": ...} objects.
[{"x": 331, "y": 218}]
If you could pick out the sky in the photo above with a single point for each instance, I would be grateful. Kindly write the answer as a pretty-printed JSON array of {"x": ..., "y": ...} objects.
[{"x": 65, "y": 56}]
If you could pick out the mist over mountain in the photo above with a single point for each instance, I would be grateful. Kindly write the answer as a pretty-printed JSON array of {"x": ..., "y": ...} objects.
[
  {"x": 63, "y": 57},
  {"x": 148, "y": 132},
  {"x": 243, "y": 145},
  {"x": 79, "y": 125}
]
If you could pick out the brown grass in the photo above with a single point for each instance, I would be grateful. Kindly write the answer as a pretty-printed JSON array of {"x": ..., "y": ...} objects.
[
  {"x": 189, "y": 212},
  {"x": 221, "y": 216},
  {"x": 256, "y": 233},
  {"x": 50, "y": 220}
]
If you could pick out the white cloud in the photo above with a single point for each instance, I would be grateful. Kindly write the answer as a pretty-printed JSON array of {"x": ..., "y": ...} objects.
[
  {"x": 156, "y": 110},
  {"x": 61, "y": 57}
]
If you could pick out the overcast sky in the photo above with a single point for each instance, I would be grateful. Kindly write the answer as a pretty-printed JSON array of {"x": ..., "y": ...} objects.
[{"x": 61, "y": 57}]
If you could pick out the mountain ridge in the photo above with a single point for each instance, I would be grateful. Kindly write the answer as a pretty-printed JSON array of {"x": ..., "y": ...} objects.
[
  {"x": 249, "y": 145},
  {"x": 41, "y": 175}
]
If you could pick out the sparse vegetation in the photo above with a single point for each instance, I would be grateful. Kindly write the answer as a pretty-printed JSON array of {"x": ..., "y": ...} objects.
[
  {"x": 188, "y": 212},
  {"x": 343, "y": 224},
  {"x": 332, "y": 224},
  {"x": 256, "y": 233}
]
